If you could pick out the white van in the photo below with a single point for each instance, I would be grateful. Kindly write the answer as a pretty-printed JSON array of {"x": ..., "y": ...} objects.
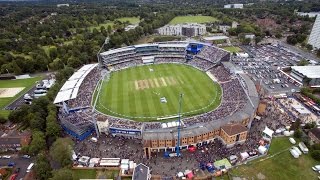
[
  {"x": 294, "y": 153},
  {"x": 292, "y": 140},
  {"x": 297, "y": 149},
  {"x": 303, "y": 148}
]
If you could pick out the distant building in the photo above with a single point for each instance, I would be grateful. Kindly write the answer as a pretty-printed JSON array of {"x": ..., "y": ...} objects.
[
  {"x": 189, "y": 30},
  {"x": 314, "y": 38},
  {"x": 249, "y": 36},
  {"x": 308, "y": 75},
  {"x": 130, "y": 27},
  {"x": 232, "y": 134},
  {"x": 62, "y": 5},
  {"x": 14, "y": 143},
  {"x": 224, "y": 28},
  {"x": 233, "y": 6},
  {"x": 310, "y": 14},
  {"x": 234, "y": 24}
]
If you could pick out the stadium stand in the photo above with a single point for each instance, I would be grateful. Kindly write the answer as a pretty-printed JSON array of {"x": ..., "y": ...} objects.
[{"x": 239, "y": 99}]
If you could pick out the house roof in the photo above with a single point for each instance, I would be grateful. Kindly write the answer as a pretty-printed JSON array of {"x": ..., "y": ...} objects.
[
  {"x": 316, "y": 132},
  {"x": 141, "y": 172},
  {"x": 233, "y": 129}
]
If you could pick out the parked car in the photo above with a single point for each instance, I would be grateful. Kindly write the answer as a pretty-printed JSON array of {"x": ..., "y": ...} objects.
[
  {"x": 6, "y": 157},
  {"x": 292, "y": 141},
  {"x": 297, "y": 149},
  {"x": 11, "y": 164},
  {"x": 26, "y": 156},
  {"x": 316, "y": 168}
]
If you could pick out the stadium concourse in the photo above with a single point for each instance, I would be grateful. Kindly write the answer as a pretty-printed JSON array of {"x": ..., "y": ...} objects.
[{"x": 229, "y": 122}]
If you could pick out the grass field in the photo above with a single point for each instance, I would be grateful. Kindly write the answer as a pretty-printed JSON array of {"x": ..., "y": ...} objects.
[
  {"x": 132, "y": 20},
  {"x": 135, "y": 92},
  {"x": 27, "y": 83},
  {"x": 192, "y": 19},
  {"x": 232, "y": 49},
  {"x": 281, "y": 166},
  {"x": 94, "y": 174}
]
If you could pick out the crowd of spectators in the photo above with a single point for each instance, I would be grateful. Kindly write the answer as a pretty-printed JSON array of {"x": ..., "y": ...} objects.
[
  {"x": 201, "y": 63},
  {"x": 85, "y": 90},
  {"x": 211, "y": 53}
]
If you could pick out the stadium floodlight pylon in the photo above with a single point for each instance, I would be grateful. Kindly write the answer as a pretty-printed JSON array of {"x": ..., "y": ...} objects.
[{"x": 179, "y": 125}]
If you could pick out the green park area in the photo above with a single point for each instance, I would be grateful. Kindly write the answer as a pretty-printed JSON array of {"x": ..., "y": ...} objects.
[
  {"x": 232, "y": 49},
  {"x": 193, "y": 19},
  {"x": 26, "y": 84},
  {"x": 131, "y": 20},
  {"x": 94, "y": 174},
  {"x": 278, "y": 164}
]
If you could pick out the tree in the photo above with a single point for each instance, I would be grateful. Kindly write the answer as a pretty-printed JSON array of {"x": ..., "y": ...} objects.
[
  {"x": 309, "y": 47},
  {"x": 3, "y": 120},
  {"x": 295, "y": 125},
  {"x": 109, "y": 29},
  {"x": 38, "y": 143},
  {"x": 42, "y": 167},
  {"x": 53, "y": 128},
  {"x": 303, "y": 62},
  {"x": 61, "y": 151},
  {"x": 53, "y": 52},
  {"x": 316, "y": 154},
  {"x": 297, "y": 133},
  {"x": 65, "y": 174}
]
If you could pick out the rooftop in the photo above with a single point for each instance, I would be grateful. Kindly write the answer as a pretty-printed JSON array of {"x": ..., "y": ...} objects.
[
  {"x": 308, "y": 71},
  {"x": 141, "y": 172},
  {"x": 233, "y": 129}
]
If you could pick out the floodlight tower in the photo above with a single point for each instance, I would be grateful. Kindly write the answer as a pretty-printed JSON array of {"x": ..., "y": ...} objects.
[{"x": 179, "y": 124}]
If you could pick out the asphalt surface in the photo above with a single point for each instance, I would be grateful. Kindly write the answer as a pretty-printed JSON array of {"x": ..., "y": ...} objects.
[
  {"x": 20, "y": 162},
  {"x": 20, "y": 101}
]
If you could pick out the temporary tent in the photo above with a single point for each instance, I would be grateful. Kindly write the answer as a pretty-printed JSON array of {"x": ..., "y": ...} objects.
[
  {"x": 190, "y": 175},
  {"x": 244, "y": 155},
  {"x": 297, "y": 149},
  {"x": 268, "y": 132},
  {"x": 192, "y": 149},
  {"x": 222, "y": 164},
  {"x": 180, "y": 174},
  {"x": 262, "y": 149},
  {"x": 286, "y": 133}
]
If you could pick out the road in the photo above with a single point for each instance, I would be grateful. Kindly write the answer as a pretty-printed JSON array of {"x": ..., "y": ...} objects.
[{"x": 21, "y": 163}]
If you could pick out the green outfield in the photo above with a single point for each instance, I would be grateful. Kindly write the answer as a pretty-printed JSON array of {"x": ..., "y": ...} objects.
[
  {"x": 193, "y": 19},
  {"x": 136, "y": 92},
  {"x": 26, "y": 84}
]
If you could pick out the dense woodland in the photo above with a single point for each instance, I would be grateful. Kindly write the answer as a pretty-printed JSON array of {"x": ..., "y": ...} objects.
[{"x": 37, "y": 37}]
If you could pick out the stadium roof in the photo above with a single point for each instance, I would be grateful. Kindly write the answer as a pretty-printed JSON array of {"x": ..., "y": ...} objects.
[
  {"x": 183, "y": 45},
  {"x": 145, "y": 45},
  {"x": 118, "y": 50},
  {"x": 215, "y": 38},
  {"x": 71, "y": 87},
  {"x": 308, "y": 71}
]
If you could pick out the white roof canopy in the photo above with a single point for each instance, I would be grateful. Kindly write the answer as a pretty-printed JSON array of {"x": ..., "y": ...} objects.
[
  {"x": 308, "y": 71},
  {"x": 268, "y": 132},
  {"x": 71, "y": 87}
]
